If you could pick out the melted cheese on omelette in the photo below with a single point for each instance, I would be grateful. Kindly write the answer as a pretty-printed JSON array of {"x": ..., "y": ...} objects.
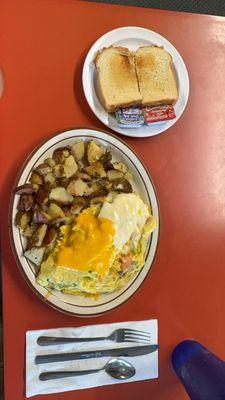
[{"x": 87, "y": 245}]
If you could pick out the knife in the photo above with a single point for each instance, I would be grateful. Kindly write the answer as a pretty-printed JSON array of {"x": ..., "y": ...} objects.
[{"x": 83, "y": 355}]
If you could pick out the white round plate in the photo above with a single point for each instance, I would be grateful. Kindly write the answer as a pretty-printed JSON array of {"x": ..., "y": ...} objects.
[
  {"x": 75, "y": 304},
  {"x": 133, "y": 37}
]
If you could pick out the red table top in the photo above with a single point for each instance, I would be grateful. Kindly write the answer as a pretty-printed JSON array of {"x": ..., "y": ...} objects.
[{"x": 44, "y": 43}]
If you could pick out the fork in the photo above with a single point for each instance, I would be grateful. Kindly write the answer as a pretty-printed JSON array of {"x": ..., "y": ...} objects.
[{"x": 118, "y": 336}]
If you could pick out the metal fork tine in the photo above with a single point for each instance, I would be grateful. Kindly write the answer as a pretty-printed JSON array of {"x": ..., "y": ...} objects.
[
  {"x": 136, "y": 331},
  {"x": 137, "y": 341},
  {"x": 131, "y": 335},
  {"x": 137, "y": 338}
]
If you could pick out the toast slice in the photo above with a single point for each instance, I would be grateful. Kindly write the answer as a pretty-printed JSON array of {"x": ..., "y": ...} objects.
[
  {"x": 156, "y": 78},
  {"x": 117, "y": 80}
]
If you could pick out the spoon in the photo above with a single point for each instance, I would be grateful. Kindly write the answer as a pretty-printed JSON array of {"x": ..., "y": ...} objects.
[{"x": 116, "y": 368}]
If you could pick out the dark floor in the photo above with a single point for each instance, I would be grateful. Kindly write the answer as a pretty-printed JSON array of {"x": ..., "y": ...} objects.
[
  {"x": 213, "y": 7},
  {"x": 1, "y": 364},
  {"x": 1, "y": 337}
]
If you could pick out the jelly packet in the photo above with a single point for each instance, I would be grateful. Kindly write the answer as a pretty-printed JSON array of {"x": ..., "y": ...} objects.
[{"x": 158, "y": 113}]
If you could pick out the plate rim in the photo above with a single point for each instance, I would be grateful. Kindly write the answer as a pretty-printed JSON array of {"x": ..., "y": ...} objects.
[
  {"x": 128, "y": 131},
  {"x": 10, "y": 223}
]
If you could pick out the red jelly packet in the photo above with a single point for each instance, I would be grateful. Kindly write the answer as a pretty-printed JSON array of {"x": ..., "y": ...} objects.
[{"x": 158, "y": 113}]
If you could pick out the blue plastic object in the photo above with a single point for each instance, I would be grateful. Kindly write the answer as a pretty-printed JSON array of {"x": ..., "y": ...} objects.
[{"x": 201, "y": 372}]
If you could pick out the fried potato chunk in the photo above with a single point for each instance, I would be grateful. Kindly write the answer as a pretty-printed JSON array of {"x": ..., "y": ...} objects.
[
  {"x": 120, "y": 166},
  {"x": 77, "y": 187},
  {"x": 113, "y": 174},
  {"x": 96, "y": 170},
  {"x": 25, "y": 189},
  {"x": 60, "y": 195},
  {"x": 94, "y": 152},
  {"x": 122, "y": 185},
  {"x": 26, "y": 202},
  {"x": 78, "y": 150},
  {"x": 60, "y": 154},
  {"x": 36, "y": 178},
  {"x": 37, "y": 238},
  {"x": 23, "y": 218},
  {"x": 43, "y": 169},
  {"x": 35, "y": 255}
]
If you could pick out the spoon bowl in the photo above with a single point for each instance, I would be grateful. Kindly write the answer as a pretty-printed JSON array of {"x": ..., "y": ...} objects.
[{"x": 119, "y": 369}]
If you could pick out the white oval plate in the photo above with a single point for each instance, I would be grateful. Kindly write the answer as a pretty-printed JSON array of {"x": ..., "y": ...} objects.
[
  {"x": 133, "y": 37},
  {"x": 75, "y": 304}
]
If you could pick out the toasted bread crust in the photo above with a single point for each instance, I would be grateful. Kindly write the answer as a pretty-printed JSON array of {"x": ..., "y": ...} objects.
[{"x": 124, "y": 51}]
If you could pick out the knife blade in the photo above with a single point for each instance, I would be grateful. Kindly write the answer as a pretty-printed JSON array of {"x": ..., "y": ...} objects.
[{"x": 83, "y": 355}]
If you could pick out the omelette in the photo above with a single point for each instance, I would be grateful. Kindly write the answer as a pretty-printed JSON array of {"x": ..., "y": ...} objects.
[{"x": 103, "y": 248}]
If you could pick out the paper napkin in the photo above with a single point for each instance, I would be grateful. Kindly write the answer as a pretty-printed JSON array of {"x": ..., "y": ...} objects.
[{"x": 146, "y": 366}]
